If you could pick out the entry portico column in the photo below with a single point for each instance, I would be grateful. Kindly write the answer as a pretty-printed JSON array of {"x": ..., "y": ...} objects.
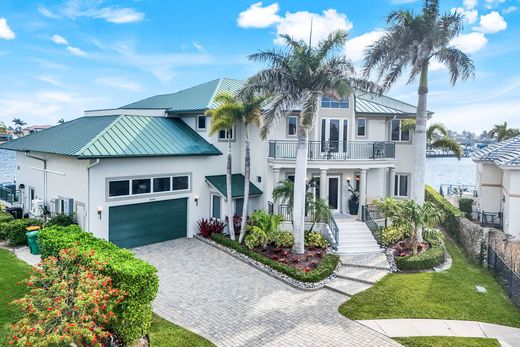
[
  {"x": 323, "y": 184},
  {"x": 391, "y": 182},
  {"x": 362, "y": 191}
]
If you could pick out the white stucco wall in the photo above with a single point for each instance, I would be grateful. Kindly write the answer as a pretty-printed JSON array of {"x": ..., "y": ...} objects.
[
  {"x": 489, "y": 178},
  {"x": 511, "y": 193}
]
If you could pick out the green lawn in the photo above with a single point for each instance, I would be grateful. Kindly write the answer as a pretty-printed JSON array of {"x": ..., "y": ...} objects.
[
  {"x": 446, "y": 295},
  {"x": 446, "y": 341},
  {"x": 13, "y": 270}
]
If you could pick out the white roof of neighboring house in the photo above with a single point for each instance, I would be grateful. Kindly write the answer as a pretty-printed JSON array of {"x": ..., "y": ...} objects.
[{"x": 505, "y": 153}]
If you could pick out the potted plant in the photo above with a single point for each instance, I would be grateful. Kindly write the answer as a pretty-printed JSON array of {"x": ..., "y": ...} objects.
[{"x": 353, "y": 201}]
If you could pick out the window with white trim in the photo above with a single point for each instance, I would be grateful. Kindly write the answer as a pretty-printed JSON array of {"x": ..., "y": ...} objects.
[
  {"x": 401, "y": 184},
  {"x": 292, "y": 125},
  {"x": 361, "y": 126},
  {"x": 226, "y": 134},
  {"x": 327, "y": 102},
  {"x": 397, "y": 133},
  {"x": 148, "y": 185},
  {"x": 201, "y": 122}
]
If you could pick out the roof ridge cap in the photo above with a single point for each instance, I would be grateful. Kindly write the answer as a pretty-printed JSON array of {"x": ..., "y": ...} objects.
[
  {"x": 101, "y": 133},
  {"x": 214, "y": 92}
]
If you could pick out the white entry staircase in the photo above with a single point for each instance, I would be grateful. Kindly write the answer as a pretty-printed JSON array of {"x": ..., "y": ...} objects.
[{"x": 354, "y": 237}]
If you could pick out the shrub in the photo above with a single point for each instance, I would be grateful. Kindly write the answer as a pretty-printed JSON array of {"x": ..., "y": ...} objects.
[
  {"x": 67, "y": 303},
  {"x": 283, "y": 239},
  {"x": 207, "y": 227},
  {"x": 451, "y": 213},
  {"x": 16, "y": 229},
  {"x": 392, "y": 234},
  {"x": 5, "y": 217},
  {"x": 256, "y": 237},
  {"x": 466, "y": 206},
  {"x": 269, "y": 223},
  {"x": 315, "y": 239},
  {"x": 61, "y": 219},
  {"x": 324, "y": 269},
  {"x": 135, "y": 277},
  {"x": 422, "y": 261}
]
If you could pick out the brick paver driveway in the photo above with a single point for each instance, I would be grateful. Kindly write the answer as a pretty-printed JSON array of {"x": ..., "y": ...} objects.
[{"x": 232, "y": 304}]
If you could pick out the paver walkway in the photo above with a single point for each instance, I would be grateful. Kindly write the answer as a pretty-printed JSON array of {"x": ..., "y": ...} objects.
[
  {"x": 507, "y": 336},
  {"x": 232, "y": 304}
]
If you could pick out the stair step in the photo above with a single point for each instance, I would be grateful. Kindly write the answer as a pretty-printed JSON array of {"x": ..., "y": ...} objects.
[
  {"x": 347, "y": 287},
  {"x": 369, "y": 276},
  {"x": 376, "y": 260}
]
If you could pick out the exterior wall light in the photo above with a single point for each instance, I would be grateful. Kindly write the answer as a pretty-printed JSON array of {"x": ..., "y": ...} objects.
[
  {"x": 196, "y": 198},
  {"x": 99, "y": 211}
]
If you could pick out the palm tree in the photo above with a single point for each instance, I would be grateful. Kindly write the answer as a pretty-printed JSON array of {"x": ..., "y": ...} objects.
[
  {"x": 18, "y": 126},
  {"x": 297, "y": 78},
  {"x": 3, "y": 128},
  {"x": 411, "y": 42},
  {"x": 61, "y": 121},
  {"x": 223, "y": 118},
  {"x": 437, "y": 136},
  {"x": 501, "y": 132}
]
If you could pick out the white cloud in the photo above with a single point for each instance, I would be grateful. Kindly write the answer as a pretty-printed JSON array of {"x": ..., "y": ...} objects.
[
  {"x": 5, "y": 32},
  {"x": 44, "y": 11},
  {"x": 510, "y": 9},
  {"x": 76, "y": 51},
  {"x": 120, "y": 15},
  {"x": 54, "y": 96},
  {"x": 470, "y": 16},
  {"x": 50, "y": 80},
  {"x": 469, "y": 4},
  {"x": 257, "y": 16},
  {"x": 59, "y": 40},
  {"x": 493, "y": 3},
  {"x": 119, "y": 83},
  {"x": 298, "y": 25},
  {"x": 470, "y": 43},
  {"x": 73, "y": 9},
  {"x": 198, "y": 46},
  {"x": 491, "y": 23},
  {"x": 355, "y": 47}
]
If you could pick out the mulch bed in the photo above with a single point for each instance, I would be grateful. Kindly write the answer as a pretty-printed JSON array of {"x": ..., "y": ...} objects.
[
  {"x": 403, "y": 248},
  {"x": 305, "y": 262}
]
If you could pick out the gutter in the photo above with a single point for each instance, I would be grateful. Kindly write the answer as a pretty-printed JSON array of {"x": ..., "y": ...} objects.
[{"x": 88, "y": 192}]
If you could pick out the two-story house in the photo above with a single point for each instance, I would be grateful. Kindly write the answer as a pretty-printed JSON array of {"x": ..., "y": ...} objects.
[{"x": 148, "y": 171}]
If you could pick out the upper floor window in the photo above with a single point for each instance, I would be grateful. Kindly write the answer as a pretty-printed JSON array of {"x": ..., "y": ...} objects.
[
  {"x": 327, "y": 102},
  {"x": 361, "y": 127},
  {"x": 226, "y": 134},
  {"x": 201, "y": 122},
  {"x": 397, "y": 133},
  {"x": 292, "y": 125}
]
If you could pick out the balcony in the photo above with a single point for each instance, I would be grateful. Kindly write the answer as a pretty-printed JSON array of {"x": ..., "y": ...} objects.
[{"x": 334, "y": 150}]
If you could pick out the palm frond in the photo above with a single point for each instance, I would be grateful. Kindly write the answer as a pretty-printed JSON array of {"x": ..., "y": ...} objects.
[
  {"x": 334, "y": 40},
  {"x": 448, "y": 144},
  {"x": 436, "y": 128},
  {"x": 458, "y": 63}
]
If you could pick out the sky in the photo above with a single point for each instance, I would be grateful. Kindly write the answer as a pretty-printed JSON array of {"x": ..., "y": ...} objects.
[{"x": 59, "y": 58}]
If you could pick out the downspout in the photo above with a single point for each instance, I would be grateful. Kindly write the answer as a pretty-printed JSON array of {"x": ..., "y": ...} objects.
[
  {"x": 44, "y": 175},
  {"x": 88, "y": 192}
]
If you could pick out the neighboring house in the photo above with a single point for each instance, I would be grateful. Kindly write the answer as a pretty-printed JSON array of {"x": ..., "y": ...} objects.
[
  {"x": 148, "y": 171},
  {"x": 34, "y": 129},
  {"x": 498, "y": 184}
]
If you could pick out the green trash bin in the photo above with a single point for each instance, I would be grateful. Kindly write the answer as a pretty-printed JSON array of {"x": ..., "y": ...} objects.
[{"x": 32, "y": 241}]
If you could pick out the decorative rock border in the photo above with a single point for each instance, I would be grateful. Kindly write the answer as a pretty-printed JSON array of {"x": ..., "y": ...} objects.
[
  {"x": 305, "y": 286},
  {"x": 389, "y": 252}
]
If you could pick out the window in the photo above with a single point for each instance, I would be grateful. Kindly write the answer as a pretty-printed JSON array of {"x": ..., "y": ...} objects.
[
  {"x": 119, "y": 188},
  {"x": 361, "y": 127},
  {"x": 290, "y": 178},
  {"x": 201, "y": 122},
  {"x": 259, "y": 179},
  {"x": 401, "y": 185},
  {"x": 215, "y": 206},
  {"x": 161, "y": 184},
  {"x": 141, "y": 186},
  {"x": 398, "y": 134},
  {"x": 239, "y": 206},
  {"x": 327, "y": 102},
  {"x": 292, "y": 125},
  {"x": 226, "y": 134},
  {"x": 180, "y": 183}
]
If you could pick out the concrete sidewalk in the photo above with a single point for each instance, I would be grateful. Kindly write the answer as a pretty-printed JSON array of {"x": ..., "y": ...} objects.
[{"x": 507, "y": 336}]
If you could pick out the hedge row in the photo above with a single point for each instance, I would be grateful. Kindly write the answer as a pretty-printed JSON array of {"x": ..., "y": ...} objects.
[
  {"x": 14, "y": 230},
  {"x": 451, "y": 213},
  {"x": 324, "y": 269},
  {"x": 422, "y": 261},
  {"x": 134, "y": 276}
]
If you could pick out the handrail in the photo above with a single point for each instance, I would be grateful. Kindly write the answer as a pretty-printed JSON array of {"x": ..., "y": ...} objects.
[
  {"x": 333, "y": 226},
  {"x": 368, "y": 218}
]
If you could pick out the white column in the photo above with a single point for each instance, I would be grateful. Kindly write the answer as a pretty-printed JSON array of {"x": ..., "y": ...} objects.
[
  {"x": 362, "y": 190},
  {"x": 323, "y": 184},
  {"x": 391, "y": 182}
]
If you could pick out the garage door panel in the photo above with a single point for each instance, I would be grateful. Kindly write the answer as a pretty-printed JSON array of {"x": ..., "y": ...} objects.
[{"x": 145, "y": 223}]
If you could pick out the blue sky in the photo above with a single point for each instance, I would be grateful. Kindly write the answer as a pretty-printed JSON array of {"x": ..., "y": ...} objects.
[{"x": 59, "y": 58}]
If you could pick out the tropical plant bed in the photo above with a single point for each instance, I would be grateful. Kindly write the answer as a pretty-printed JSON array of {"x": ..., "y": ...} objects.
[
  {"x": 429, "y": 254},
  {"x": 315, "y": 278},
  {"x": 306, "y": 262}
]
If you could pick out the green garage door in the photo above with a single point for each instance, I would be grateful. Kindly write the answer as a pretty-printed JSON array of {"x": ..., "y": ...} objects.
[{"x": 146, "y": 223}]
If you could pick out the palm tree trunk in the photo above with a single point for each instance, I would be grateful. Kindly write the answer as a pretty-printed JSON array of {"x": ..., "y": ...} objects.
[
  {"x": 299, "y": 190},
  {"x": 247, "y": 175},
  {"x": 420, "y": 140},
  {"x": 230, "y": 226}
]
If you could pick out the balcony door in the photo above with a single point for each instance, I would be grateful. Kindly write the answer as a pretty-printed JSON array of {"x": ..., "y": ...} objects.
[
  {"x": 334, "y": 135},
  {"x": 334, "y": 198}
]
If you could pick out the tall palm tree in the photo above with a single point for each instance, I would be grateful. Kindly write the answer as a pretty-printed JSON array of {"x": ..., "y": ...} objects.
[
  {"x": 411, "y": 42},
  {"x": 297, "y": 78},
  {"x": 437, "y": 136},
  {"x": 501, "y": 132},
  {"x": 223, "y": 118},
  {"x": 18, "y": 126}
]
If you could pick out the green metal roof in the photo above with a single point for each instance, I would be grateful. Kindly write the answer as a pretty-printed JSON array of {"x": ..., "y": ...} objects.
[
  {"x": 381, "y": 104},
  {"x": 197, "y": 98},
  {"x": 237, "y": 185},
  {"x": 116, "y": 137}
]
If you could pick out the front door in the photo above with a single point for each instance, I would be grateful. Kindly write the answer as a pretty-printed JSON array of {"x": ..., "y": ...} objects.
[
  {"x": 334, "y": 135},
  {"x": 334, "y": 193}
]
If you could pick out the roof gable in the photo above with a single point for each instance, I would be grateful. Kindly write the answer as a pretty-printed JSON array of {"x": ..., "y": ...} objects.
[{"x": 237, "y": 185}]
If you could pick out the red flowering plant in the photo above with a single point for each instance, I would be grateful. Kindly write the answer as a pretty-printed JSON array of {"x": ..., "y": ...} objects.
[{"x": 70, "y": 302}]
